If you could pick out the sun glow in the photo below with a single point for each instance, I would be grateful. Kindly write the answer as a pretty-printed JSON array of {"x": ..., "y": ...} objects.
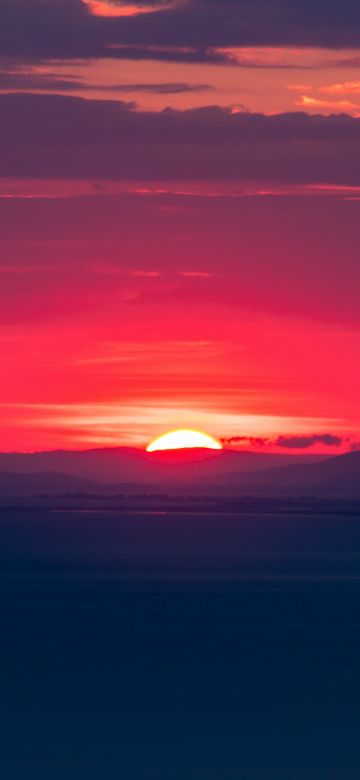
[
  {"x": 104, "y": 8},
  {"x": 183, "y": 439}
]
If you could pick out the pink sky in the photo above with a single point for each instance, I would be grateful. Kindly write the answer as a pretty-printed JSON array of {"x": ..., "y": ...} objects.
[{"x": 179, "y": 243}]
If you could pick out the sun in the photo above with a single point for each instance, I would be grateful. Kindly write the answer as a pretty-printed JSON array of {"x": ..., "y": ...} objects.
[{"x": 183, "y": 439}]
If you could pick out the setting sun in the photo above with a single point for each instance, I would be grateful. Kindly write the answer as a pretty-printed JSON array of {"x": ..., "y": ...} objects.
[{"x": 183, "y": 439}]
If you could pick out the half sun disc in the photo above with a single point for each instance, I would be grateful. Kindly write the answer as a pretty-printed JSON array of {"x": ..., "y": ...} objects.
[{"x": 183, "y": 439}]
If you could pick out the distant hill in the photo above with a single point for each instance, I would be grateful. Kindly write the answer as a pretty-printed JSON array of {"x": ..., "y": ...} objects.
[
  {"x": 17, "y": 485},
  {"x": 337, "y": 476},
  {"x": 198, "y": 472},
  {"x": 129, "y": 465}
]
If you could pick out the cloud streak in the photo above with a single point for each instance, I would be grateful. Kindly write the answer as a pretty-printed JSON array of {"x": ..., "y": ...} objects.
[
  {"x": 27, "y": 81},
  {"x": 286, "y": 442}
]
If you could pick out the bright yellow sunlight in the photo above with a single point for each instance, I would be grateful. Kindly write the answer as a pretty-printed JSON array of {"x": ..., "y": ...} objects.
[{"x": 183, "y": 439}]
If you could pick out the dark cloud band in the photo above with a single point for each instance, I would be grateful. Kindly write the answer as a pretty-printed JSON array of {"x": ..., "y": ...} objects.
[
  {"x": 46, "y": 29},
  {"x": 67, "y": 137}
]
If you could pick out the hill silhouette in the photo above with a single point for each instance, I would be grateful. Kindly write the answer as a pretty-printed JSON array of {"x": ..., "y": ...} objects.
[
  {"x": 123, "y": 464},
  {"x": 337, "y": 476},
  {"x": 182, "y": 472}
]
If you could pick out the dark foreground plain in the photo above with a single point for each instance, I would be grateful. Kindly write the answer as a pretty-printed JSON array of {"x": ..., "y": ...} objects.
[{"x": 188, "y": 642}]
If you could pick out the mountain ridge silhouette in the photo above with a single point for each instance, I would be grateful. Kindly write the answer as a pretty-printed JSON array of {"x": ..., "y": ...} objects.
[{"x": 225, "y": 472}]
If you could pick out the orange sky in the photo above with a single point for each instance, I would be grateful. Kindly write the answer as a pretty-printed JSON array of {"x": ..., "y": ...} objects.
[{"x": 267, "y": 80}]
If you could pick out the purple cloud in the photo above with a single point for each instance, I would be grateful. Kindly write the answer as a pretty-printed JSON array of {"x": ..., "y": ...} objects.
[
  {"x": 47, "y": 29},
  {"x": 68, "y": 137},
  {"x": 304, "y": 442}
]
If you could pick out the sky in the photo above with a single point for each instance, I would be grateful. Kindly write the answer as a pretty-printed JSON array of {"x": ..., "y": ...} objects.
[{"x": 179, "y": 211}]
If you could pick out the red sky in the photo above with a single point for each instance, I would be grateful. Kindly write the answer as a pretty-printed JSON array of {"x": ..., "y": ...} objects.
[{"x": 179, "y": 226}]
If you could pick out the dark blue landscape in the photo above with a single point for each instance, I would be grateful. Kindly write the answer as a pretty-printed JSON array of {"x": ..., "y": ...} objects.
[{"x": 183, "y": 643}]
